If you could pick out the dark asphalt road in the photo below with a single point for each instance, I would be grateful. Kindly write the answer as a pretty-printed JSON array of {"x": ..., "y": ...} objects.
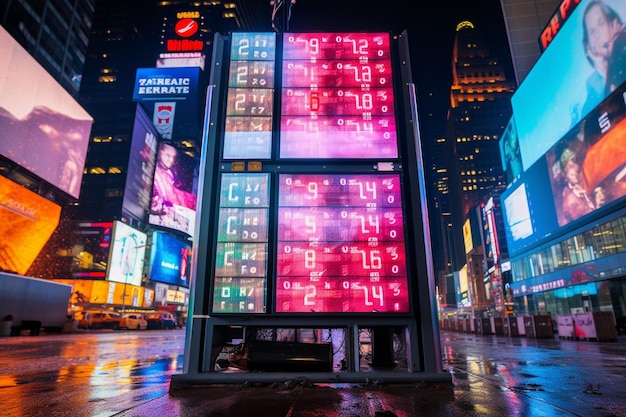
[{"x": 105, "y": 373}]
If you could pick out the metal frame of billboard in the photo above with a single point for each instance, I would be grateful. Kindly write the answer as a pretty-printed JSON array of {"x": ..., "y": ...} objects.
[{"x": 206, "y": 328}]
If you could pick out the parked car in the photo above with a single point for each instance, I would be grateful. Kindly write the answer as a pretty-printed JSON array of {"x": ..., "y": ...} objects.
[
  {"x": 100, "y": 320},
  {"x": 133, "y": 321},
  {"x": 161, "y": 321}
]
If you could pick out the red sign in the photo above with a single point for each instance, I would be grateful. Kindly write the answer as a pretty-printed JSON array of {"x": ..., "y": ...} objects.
[
  {"x": 186, "y": 28},
  {"x": 558, "y": 19}
]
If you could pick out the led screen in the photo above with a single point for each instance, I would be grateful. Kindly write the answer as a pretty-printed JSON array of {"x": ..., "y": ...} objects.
[
  {"x": 587, "y": 167},
  {"x": 42, "y": 128},
  {"x": 240, "y": 283},
  {"x": 248, "y": 132},
  {"x": 341, "y": 244},
  {"x": 140, "y": 167},
  {"x": 28, "y": 221},
  {"x": 173, "y": 202},
  {"x": 337, "y": 96},
  {"x": 510, "y": 152},
  {"x": 528, "y": 210},
  {"x": 557, "y": 79},
  {"x": 127, "y": 254},
  {"x": 91, "y": 250},
  {"x": 169, "y": 260}
]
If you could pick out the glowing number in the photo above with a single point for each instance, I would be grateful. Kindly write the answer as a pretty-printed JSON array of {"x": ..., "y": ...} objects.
[
  {"x": 314, "y": 44},
  {"x": 378, "y": 294},
  {"x": 244, "y": 44},
  {"x": 309, "y": 259},
  {"x": 287, "y": 285},
  {"x": 374, "y": 222},
  {"x": 391, "y": 199},
  {"x": 367, "y": 74},
  {"x": 287, "y": 249},
  {"x": 240, "y": 101},
  {"x": 312, "y": 188},
  {"x": 363, "y": 47},
  {"x": 392, "y": 234},
  {"x": 315, "y": 102},
  {"x": 242, "y": 72},
  {"x": 309, "y": 221},
  {"x": 288, "y": 181},
  {"x": 367, "y": 102},
  {"x": 345, "y": 285},
  {"x": 371, "y": 187},
  {"x": 375, "y": 260},
  {"x": 310, "y": 294},
  {"x": 342, "y": 181},
  {"x": 395, "y": 269}
]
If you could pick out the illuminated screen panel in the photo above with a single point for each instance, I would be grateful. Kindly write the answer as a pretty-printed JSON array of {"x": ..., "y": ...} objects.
[
  {"x": 127, "y": 254},
  {"x": 42, "y": 128},
  {"x": 28, "y": 221},
  {"x": 173, "y": 202},
  {"x": 565, "y": 81},
  {"x": 248, "y": 130},
  {"x": 141, "y": 165},
  {"x": 240, "y": 282},
  {"x": 337, "y": 97},
  {"x": 94, "y": 241},
  {"x": 341, "y": 244},
  {"x": 169, "y": 260}
]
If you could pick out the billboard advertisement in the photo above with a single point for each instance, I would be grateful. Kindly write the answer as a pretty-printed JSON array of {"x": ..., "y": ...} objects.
[
  {"x": 42, "y": 128},
  {"x": 140, "y": 167},
  {"x": 127, "y": 254},
  {"x": 158, "y": 88},
  {"x": 510, "y": 152},
  {"x": 91, "y": 250},
  {"x": 169, "y": 260},
  {"x": 337, "y": 97},
  {"x": 28, "y": 221},
  {"x": 173, "y": 202},
  {"x": 341, "y": 244},
  {"x": 587, "y": 167},
  {"x": 589, "y": 50}
]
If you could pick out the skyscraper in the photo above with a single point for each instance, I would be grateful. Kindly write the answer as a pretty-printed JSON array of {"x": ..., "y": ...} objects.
[
  {"x": 55, "y": 32},
  {"x": 479, "y": 111}
]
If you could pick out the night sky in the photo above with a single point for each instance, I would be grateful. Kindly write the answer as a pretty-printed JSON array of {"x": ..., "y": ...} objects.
[{"x": 431, "y": 28}]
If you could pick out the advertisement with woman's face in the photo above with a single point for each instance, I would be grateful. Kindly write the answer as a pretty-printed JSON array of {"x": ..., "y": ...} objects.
[
  {"x": 173, "y": 195},
  {"x": 589, "y": 50}
]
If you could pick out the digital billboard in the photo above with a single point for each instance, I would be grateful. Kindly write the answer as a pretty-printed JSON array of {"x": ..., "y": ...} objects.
[
  {"x": 589, "y": 50},
  {"x": 528, "y": 211},
  {"x": 127, "y": 254},
  {"x": 28, "y": 221},
  {"x": 91, "y": 249},
  {"x": 170, "y": 260},
  {"x": 340, "y": 246},
  {"x": 510, "y": 152},
  {"x": 337, "y": 98},
  {"x": 42, "y": 128},
  {"x": 587, "y": 167},
  {"x": 173, "y": 202},
  {"x": 141, "y": 165},
  {"x": 241, "y": 259},
  {"x": 248, "y": 132}
]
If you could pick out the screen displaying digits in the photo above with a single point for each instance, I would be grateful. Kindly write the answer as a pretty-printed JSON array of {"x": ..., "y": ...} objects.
[
  {"x": 248, "y": 130},
  {"x": 341, "y": 244},
  {"x": 337, "y": 96},
  {"x": 240, "y": 284}
]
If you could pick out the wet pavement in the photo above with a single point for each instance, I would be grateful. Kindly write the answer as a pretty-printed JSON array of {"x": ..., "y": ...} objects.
[{"x": 105, "y": 373}]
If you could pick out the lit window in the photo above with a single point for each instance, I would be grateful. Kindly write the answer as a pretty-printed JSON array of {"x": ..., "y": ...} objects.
[
  {"x": 115, "y": 170},
  {"x": 96, "y": 170},
  {"x": 107, "y": 79}
]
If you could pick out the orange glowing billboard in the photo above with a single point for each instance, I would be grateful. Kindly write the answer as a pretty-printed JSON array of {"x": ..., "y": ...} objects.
[{"x": 28, "y": 221}]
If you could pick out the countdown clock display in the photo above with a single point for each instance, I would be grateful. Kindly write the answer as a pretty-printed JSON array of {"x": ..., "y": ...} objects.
[
  {"x": 340, "y": 244},
  {"x": 337, "y": 96}
]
